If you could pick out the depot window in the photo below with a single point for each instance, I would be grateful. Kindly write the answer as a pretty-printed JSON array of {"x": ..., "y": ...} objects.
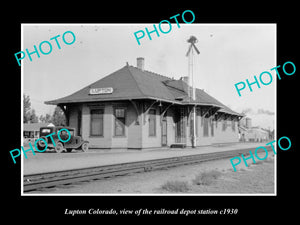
[
  {"x": 212, "y": 127},
  {"x": 233, "y": 125},
  {"x": 205, "y": 127},
  {"x": 152, "y": 122},
  {"x": 224, "y": 125},
  {"x": 96, "y": 122},
  {"x": 119, "y": 121}
]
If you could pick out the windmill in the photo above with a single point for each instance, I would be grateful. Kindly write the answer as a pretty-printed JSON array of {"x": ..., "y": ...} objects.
[{"x": 191, "y": 90}]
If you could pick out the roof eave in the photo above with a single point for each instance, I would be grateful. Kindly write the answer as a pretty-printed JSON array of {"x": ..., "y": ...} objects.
[
  {"x": 63, "y": 102},
  {"x": 56, "y": 102}
]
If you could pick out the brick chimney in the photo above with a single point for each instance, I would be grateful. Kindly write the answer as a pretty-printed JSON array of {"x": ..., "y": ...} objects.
[
  {"x": 185, "y": 79},
  {"x": 140, "y": 63}
]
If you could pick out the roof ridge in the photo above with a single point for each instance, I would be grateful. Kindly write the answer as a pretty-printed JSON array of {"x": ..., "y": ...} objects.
[{"x": 154, "y": 73}]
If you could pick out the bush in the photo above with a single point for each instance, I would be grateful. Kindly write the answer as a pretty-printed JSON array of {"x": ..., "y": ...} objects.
[
  {"x": 269, "y": 159},
  {"x": 259, "y": 162},
  {"x": 175, "y": 186},
  {"x": 206, "y": 178}
]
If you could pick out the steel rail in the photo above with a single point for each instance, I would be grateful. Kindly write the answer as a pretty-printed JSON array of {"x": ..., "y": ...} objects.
[{"x": 52, "y": 179}]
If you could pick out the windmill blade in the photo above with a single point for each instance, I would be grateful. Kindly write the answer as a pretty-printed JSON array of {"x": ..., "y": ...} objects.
[
  {"x": 189, "y": 50},
  {"x": 198, "y": 52}
]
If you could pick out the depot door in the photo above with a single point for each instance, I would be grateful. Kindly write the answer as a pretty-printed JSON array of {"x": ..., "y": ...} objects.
[
  {"x": 164, "y": 131},
  {"x": 180, "y": 125},
  {"x": 79, "y": 121}
]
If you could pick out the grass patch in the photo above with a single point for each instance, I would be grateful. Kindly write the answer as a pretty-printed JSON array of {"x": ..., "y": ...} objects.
[
  {"x": 206, "y": 178},
  {"x": 175, "y": 186}
]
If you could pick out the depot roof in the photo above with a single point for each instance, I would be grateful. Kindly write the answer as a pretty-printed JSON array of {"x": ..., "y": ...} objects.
[{"x": 129, "y": 83}]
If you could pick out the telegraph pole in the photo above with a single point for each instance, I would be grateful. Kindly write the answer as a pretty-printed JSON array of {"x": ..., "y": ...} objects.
[{"x": 192, "y": 90}]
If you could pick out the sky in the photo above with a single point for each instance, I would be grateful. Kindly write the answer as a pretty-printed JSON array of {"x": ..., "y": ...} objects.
[{"x": 229, "y": 53}]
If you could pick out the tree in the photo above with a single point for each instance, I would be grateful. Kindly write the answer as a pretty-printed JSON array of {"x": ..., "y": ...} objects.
[
  {"x": 45, "y": 119},
  {"x": 28, "y": 113},
  {"x": 26, "y": 108},
  {"x": 58, "y": 117},
  {"x": 33, "y": 117}
]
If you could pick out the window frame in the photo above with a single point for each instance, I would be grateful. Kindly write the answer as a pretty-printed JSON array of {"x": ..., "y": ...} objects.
[
  {"x": 118, "y": 119},
  {"x": 91, "y": 122}
]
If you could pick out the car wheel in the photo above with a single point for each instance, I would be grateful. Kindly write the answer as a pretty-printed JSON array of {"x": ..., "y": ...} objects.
[
  {"x": 85, "y": 147},
  {"x": 41, "y": 144},
  {"x": 59, "y": 148}
]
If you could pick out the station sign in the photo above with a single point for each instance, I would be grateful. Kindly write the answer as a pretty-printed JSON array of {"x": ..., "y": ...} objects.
[{"x": 101, "y": 91}]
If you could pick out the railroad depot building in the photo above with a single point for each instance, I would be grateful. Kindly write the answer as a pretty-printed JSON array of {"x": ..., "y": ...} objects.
[{"x": 136, "y": 109}]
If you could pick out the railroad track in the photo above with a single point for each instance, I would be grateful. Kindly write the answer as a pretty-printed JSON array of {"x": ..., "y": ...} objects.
[{"x": 52, "y": 179}]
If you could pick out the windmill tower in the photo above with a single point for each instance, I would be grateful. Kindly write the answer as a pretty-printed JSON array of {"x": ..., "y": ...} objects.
[{"x": 191, "y": 90}]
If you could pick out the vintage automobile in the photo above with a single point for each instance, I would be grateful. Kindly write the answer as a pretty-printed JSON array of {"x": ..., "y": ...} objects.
[{"x": 75, "y": 142}]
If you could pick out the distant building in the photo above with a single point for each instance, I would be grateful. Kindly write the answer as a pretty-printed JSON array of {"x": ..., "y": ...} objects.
[
  {"x": 254, "y": 134},
  {"x": 135, "y": 108},
  {"x": 32, "y": 130},
  {"x": 245, "y": 122},
  {"x": 257, "y": 134}
]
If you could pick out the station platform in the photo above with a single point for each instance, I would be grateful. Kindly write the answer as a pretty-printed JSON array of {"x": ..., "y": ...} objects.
[{"x": 50, "y": 162}]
